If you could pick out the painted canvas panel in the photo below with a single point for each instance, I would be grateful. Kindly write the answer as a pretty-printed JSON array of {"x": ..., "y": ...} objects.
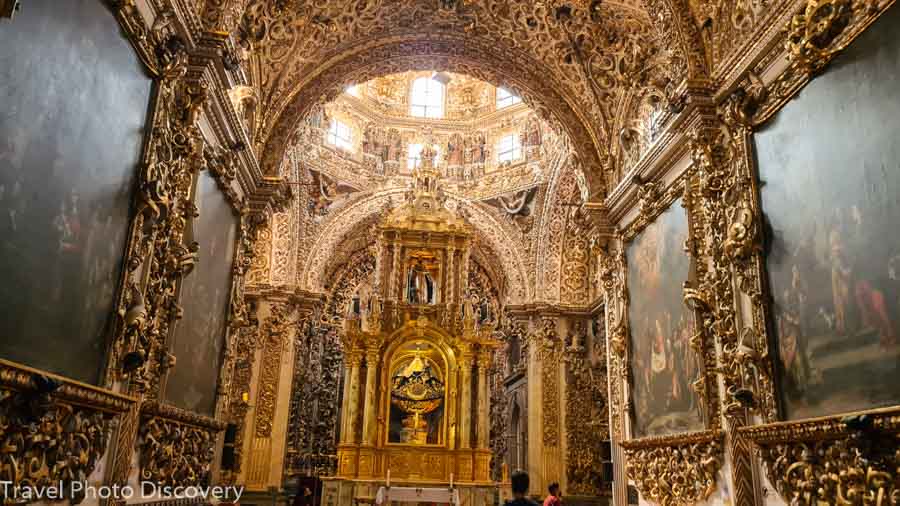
[
  {"x": 75, "y": 102},
  {"x": 205, "y": 295},
  {"x": 663, "y": 364},
  {"x": 830, "y": 166}
]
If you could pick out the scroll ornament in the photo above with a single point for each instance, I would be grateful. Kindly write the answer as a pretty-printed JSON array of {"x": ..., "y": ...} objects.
[
  {"x": 853, "y": 460},
  {"x": 44, "y": 442},
  {"x": 680, "y": 473}
]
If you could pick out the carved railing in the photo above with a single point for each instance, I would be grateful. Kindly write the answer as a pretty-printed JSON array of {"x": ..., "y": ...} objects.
[
  {"x": 52, "y": 430},
  {"x": 176, "y": 446}
]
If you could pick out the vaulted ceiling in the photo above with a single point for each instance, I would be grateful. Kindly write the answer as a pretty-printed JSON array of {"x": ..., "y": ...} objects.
[{"x": 604, "y": 70}]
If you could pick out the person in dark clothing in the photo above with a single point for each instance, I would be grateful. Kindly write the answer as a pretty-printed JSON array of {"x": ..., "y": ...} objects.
[{"x": 520, "y": 484}]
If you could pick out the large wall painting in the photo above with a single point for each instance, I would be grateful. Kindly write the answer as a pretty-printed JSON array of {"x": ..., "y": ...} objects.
[
  {"x": 205, "y": 294},
  {"x": 830, "y": 166},
  {"x": 664, "y": 366},
  {"x": 75, "y": 102}
]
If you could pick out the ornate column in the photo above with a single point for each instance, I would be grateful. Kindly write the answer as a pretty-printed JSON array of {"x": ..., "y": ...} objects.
[
  {"x": 451, "y": 252},
  {"x": 345, "y": 400},
  {"x": 368, "y": 437},
  {"x": 355, "y": 360},
  {"x": 484, "y": 407},
  {"x": 465, "y": 399}
]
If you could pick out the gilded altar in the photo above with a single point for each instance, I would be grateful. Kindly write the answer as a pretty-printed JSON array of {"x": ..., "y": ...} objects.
[{"x": 417, "y": 349}]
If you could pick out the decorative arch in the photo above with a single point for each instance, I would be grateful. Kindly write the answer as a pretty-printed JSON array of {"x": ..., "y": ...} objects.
[
  {"x": 313, "y": 268},
  {"x": 513, "y": 70}
]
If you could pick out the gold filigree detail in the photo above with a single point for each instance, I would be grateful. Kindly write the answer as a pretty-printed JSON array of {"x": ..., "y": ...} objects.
[
  {"x": 675, "y": 470},
  {"x": 850, "y": 460}
]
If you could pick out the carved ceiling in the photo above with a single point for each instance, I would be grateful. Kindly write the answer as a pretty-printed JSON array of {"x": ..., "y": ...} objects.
[
  {"x": 585, "y": 67},
  {"x": 600, "y": 75}
]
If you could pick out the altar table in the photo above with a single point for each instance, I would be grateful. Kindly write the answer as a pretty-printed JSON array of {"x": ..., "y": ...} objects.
[{"x": 414, "y": 494}]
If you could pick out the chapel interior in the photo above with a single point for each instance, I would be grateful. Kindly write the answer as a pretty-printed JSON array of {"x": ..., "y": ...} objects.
[{"x": 356, "y": 252}]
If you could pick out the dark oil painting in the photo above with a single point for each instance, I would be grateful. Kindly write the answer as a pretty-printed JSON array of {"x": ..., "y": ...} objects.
[
  {"x": 75, "y": 103},
  {"x": 662, "y": 362},
  {"x": 830, "y": 171},
  {"x": 205, "y": 295}
]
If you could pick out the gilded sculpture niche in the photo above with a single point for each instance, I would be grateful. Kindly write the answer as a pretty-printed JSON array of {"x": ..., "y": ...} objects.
[
  {"x": 417, "y": 394},
  {"x": 663, "y": 364},
  {"x": 828, "y": 162},
  {"x": 70, "y": 141}
]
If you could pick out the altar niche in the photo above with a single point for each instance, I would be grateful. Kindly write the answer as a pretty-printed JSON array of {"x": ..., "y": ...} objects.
[
  {"x": 423, "y": 271},
  {"x": 418, "y": 395}
]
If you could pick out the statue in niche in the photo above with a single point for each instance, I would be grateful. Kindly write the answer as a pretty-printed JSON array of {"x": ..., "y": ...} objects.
[
  {"x": 455, "y": 150},
  {"x": 394, "y": 145},
  {"x": 531, "y": 133},
  {"x": 420, "y": 287},
  {"x": 370, "y": 141}
]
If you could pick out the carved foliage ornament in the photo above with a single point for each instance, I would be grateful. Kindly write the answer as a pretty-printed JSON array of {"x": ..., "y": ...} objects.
[
  {"x": 675, "y": 471},
  {"x": 853, "y": 460},
  {"x": 44, "y": 441},
  {"x": 177, "y": 447},
  {"x": 157, "y": 257}
]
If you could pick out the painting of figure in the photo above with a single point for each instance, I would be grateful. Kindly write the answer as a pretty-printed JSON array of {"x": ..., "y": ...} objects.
[
  {"x": 664, "y": 366},
  {"x": 205, "y": 295},
  {"x": 830, "y": 166},
  {"x": 70, "y": 145}
]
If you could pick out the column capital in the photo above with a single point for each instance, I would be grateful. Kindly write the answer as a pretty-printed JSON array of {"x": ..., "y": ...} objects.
[
  {"x": 485, "y": 358},
  {"x": 353, "y": 357}
]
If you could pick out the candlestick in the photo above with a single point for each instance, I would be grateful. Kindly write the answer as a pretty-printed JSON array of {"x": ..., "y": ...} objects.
[
  {"x": 389, "y": 478},
  {"x": 451, "y": 480}
]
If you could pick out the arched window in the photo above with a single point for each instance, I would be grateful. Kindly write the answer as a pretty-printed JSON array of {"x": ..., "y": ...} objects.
[
  {"x": 509, "y": 149},
  {"x": 339, "y": 135},
  {"x": 427, "y": 98},
  {"x": 506, "y": 99}
]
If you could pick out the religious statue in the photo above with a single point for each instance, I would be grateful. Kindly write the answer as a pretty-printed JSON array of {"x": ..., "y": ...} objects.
[{"x": 421, "y": 286}]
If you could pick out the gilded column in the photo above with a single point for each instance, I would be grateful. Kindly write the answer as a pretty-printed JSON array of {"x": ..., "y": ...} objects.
[
  {"x": 355, "y": 360},
  {"x": 451, "y": 252},
  {"x": 345, "y": 401},
  {"x": 484, "y": 407},
  {"x": 369, "y": 412},
  {"x": 465, "y": 399}
]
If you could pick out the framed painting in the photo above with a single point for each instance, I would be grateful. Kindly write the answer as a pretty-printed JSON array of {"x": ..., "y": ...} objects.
[
  {"x": 199, "y": 338},
  {"x": 829, "y": 165},
  {"x": 70, "y": 144},
  {"x": 664, "y": 367}
]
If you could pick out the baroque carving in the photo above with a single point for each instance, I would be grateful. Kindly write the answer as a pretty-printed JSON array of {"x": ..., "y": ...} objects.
[
  {"x": 272, "y": 336},
  {"x": 313, "y": 423},
  {"x": 678, "y": 470},
  {"x": 587, "y": 423},
  {"x": 550, "y": 352},
  {"x": 53, "y": 431},
  {"x": 176, "y": 447}
]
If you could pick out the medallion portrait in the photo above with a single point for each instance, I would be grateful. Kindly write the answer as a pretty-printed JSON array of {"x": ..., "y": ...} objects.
[
  {"x": 663, "y": 365},
  {"x": 830, "y": 170},
  {"x": 205, "y": 295}
]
